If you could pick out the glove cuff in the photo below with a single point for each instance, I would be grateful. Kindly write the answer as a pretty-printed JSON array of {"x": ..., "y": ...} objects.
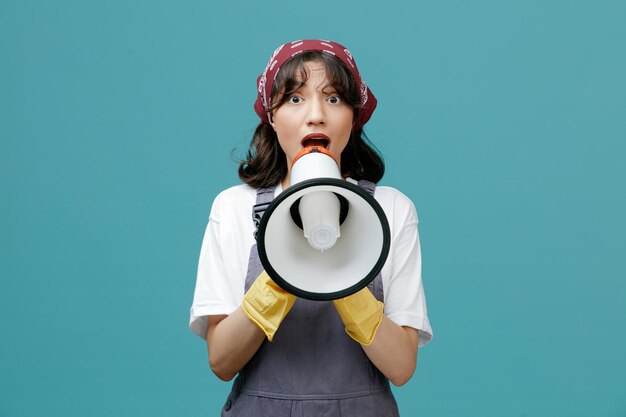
[
  {"x": 266, "y": 304},
  {"x": 361, "y": 314}
]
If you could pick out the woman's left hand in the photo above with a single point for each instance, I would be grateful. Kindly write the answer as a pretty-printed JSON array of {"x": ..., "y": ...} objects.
[
  {"x": 390, "y": 347},
  {"x": 361, "y": 313}
]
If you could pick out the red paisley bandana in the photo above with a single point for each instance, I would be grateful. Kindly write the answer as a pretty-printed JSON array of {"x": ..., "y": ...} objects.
[{"x": 265, "y": 81}]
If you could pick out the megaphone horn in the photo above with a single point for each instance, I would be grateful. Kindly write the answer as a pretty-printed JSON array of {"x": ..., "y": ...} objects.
[{"x": 323, "y": 237}]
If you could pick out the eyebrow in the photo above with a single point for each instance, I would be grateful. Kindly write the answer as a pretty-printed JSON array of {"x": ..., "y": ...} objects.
[
  {"x": 330, "y": 89},
  {"x": 324, "y": 89}
]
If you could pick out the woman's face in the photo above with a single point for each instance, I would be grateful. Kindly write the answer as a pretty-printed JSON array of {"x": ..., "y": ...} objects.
[{"x": 313, "y": 115}]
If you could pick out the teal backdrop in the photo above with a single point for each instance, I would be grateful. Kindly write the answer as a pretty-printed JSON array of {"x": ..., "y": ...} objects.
[{"x": 504, "y": 122}]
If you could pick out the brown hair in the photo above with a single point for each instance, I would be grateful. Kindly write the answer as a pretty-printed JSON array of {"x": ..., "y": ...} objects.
[{"x": 265, "y": 164}]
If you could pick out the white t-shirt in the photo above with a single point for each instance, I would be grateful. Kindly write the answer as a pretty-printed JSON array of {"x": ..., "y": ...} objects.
[{"x": 229, "y": 237}]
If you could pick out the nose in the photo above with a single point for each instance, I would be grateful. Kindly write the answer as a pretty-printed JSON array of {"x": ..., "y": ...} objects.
[{"x": 316, "y": 113}]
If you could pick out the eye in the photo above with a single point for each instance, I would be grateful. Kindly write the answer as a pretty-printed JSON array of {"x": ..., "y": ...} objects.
[
  {"x": 294, "y": 99},
  {"x": 334, "y": 99}
]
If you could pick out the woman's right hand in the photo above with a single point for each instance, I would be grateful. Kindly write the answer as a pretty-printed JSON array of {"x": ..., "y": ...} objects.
[
  {"x": 266, "y": 304},
  {"x": 234, "y": 339}
]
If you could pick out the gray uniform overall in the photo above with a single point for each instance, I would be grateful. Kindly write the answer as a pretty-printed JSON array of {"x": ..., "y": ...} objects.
[{"x": 312, "y": 367}]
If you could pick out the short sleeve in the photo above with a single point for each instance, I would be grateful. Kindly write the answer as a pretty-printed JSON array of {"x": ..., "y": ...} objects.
[
  {"x": 405, "y": 301},
  {"x": 214, "y": 293}
]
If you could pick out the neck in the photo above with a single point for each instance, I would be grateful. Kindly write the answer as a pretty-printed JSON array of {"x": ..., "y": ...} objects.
[{"x": 286, "y": 182}]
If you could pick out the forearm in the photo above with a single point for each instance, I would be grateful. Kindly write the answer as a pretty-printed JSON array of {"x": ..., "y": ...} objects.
[
  {"x": 394, "y": 351},
  {"x": 232, "y": 341}
]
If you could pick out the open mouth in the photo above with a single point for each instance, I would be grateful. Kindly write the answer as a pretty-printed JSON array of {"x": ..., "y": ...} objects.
[{"x": 316, "y": 139}]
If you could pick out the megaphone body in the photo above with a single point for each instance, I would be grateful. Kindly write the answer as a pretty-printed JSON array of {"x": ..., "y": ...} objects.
[
  {"x": 323, "y": 237},
  {"x": 319, "y": 211}
]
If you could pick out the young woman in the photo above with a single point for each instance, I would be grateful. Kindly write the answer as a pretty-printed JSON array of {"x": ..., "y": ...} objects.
[{"x": 297, "y": 357}]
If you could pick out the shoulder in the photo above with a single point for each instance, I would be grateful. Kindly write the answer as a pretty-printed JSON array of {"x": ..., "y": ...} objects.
[
  {"x": 236, "y": 193},
  {"x": 396, "y": 204},
  {"x": 233, "y": 200}
]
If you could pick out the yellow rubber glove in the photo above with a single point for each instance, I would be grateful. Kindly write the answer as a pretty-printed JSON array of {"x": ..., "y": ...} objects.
[
  {"x": 361, "y": 313},
  {"x": 266, "y": 304}
]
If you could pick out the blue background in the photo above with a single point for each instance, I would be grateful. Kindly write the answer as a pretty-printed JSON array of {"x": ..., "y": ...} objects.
[{"x": 504, "y": 122}]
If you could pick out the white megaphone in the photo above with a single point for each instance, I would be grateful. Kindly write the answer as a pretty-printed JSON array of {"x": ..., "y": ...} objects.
[{"x": 323, "y": 237}]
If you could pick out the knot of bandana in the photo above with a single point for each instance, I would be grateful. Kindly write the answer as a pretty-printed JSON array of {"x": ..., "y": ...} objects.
[{"x": 265, "y": 81}]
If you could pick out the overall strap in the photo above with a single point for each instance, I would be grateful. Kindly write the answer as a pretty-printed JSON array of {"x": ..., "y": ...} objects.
[
  {"x": 368, "y": 186},
  {"x": 264, "y": 197}
]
